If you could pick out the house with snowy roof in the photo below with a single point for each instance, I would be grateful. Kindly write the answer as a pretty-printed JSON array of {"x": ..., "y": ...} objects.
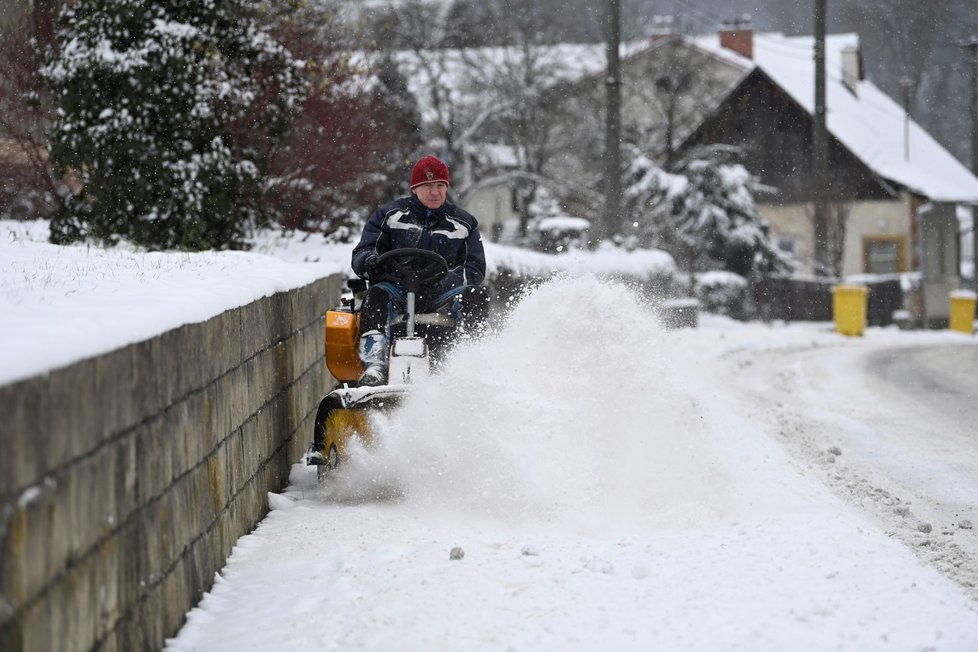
[
  {"x": 893, "y": 189},
  {"x": 895, "y": 186}
]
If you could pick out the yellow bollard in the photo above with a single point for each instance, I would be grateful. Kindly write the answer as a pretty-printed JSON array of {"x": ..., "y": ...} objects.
[
  {"x": 849, "y": 308},
  {"x": 962, "y": 318}
]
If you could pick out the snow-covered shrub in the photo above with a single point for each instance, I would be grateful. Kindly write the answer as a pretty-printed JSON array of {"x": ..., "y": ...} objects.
[
  {"x": 560, "y": 234},
  {"x": 646, "y": 204},
  {"x": 165, "y": 109},
  {"x": 722, "y": 293},
  {"x": 703, "y": 213},
  {"x": 717, "y": 219}
]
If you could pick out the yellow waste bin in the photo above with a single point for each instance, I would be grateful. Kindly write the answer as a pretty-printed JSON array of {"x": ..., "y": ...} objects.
[
  {"x": 849, "y": 308},
  {"x": 962, "y": 317}
]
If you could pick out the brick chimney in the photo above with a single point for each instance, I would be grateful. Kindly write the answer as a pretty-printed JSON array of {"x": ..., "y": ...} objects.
[
  {"x": 738, "y": 35},
  {"x": 663, "y": 29}
]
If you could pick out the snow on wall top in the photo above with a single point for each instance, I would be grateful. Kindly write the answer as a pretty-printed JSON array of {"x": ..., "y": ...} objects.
[{"x": 868, "y": 122}]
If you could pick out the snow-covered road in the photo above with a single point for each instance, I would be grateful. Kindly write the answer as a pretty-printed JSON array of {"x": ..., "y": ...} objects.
[
  {"x": 901, "y": 421},
  {"x": 940, "y": 378},
  {"x": 617, "y": 487}
]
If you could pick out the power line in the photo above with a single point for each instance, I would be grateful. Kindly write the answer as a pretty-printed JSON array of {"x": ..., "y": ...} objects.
[{"x": 708, "y": 20}]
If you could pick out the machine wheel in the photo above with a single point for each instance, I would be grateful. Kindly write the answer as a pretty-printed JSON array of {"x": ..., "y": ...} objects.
[
  {"x": 332, "y": 461},
  {"x": 319, "y": 427},
  {"x": 334, "y": 426}
]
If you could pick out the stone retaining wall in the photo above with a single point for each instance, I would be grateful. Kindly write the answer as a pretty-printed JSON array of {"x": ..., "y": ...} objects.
[{"x": 126, "y": 479}]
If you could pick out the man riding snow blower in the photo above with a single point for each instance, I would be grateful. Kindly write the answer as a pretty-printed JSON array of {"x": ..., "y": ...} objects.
[
  {"x": 424, "y": 260},
  {"x": 424, "y": 220}
]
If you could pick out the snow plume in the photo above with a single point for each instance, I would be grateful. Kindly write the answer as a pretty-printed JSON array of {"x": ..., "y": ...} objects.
[{"x": 576, "y": 412}]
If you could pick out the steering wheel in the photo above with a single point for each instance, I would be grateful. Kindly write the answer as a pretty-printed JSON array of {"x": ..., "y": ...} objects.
[{"x": 395, "y": 265}]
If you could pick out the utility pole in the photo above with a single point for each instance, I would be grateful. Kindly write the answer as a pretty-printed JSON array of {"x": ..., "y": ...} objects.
[
  {"x": 820, "y": 147},
  {"x": 971, "y": 45},
  {"x": 612, "y": 140}
]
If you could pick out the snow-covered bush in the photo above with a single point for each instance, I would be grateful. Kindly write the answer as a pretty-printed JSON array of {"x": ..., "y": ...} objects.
[
  {"x": 646, "y": 205},
  {"x": 560, "y": 234},
  {"x": 722, "y": 293},
  {"x": 703, "y": 213},
  {"x": 717, "y": 219},
  {"x": 165, "y": 109}
]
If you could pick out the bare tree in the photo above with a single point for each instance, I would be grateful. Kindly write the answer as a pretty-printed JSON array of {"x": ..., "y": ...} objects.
[
  {"x": 666, "y": 93},
  {"x": 899, "y": 31},
  {"x": 417, "y": 44},
  {"x": 506, "y": 96},
  {"x": 354, "y": 131},
  {"x": 28, "y": 185},
  {"x": 524, "y": 82}
]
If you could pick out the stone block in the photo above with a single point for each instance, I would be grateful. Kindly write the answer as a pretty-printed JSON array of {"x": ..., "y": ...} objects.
[
  {"x": 235, "y": 462},
  {"x": 73, "y": 420},
  {"x": 27, "y": 563},
  {"x": 154, "y": 461},
  {"x": 115, "y": 400},
  {"x": 26, "y": 407}
]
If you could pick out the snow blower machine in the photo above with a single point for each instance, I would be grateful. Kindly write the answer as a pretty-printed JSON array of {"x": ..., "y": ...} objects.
[{"x": 344, "y": 413}]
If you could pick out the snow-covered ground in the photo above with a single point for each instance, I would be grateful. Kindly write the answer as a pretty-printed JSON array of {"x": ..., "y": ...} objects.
[
  {"x": 617, "y": 487},
  {"x": 612, "y": 485}
]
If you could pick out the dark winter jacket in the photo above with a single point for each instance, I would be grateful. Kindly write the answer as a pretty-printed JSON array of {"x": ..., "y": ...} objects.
[{"x": 449, "y": 231}]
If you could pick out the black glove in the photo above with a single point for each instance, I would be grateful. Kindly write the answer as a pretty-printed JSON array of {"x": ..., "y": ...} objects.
[{"x": 369, "y": 265}]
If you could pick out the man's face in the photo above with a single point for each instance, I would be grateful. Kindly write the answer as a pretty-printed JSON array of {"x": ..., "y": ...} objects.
[{"x": 432, "y": 194}]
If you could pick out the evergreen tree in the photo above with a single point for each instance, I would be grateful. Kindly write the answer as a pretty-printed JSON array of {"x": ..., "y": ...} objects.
[
  {"x": 703, "y": 213},
  {"x": 717, "y": 220},
  {"x": 166, "y": 109},
  {"x": 646, "y": 205}
]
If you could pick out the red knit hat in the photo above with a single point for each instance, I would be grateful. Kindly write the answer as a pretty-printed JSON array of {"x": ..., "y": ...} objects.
[{"x": 428, "y": 169}]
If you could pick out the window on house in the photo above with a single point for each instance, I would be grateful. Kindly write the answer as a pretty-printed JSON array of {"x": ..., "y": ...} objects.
[{"x": 883, "y": 255}]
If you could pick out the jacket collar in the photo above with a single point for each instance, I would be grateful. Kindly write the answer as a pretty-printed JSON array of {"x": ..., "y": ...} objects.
[{"x": 440, "y": 212}]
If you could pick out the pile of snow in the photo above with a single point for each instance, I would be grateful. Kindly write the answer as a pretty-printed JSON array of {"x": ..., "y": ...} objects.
[{"x": 540, "y": 442}]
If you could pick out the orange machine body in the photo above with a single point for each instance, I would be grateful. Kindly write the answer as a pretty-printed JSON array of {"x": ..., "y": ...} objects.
[{"x": 342, "y": 333}]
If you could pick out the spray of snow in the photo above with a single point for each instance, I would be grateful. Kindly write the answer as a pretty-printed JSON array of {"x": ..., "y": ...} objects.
[{"x": 575, "y": 413}]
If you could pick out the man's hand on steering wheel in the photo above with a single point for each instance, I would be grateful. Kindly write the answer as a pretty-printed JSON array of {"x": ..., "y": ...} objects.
[
  {"x": 396, "y": 265},
  {"x": 370, "y": 266}
]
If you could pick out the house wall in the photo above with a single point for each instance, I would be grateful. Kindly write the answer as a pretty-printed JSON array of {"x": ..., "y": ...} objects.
[
  {"x": 877, "y": 219},
  {"x": 874, "y": 218},
  {"x": 793, "y": 221},
  {"x": 493, "y": 208},
  {"x": 666, "y": 91},
  {"x": 127, "y": 478}
]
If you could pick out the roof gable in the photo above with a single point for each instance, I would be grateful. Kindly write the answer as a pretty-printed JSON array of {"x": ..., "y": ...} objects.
[
  {"x": 868, "y": 123},
  {"x": 774, "y": 132}
]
